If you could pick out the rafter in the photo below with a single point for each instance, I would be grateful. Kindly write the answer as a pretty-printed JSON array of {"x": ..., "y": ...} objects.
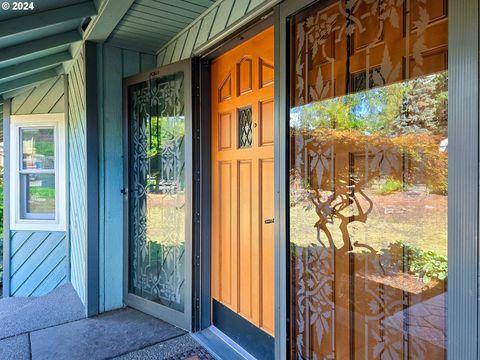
[
  {"x": 34, "y": 65},
  {"x": 109, "y": 15},
  {"x": 19, "y": 25},
  {"x": 27, "y": 80},
  {"x": 31, "y": 47}
]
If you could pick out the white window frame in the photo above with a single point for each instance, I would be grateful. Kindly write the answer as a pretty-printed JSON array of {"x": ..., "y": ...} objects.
[{"x": 57, "y": 122}]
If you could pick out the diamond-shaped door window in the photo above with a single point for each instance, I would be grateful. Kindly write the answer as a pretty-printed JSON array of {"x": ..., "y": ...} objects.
[{"x": 245, "y": 136}]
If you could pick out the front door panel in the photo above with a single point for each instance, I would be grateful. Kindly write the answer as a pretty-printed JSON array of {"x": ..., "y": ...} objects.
[{"x": 243, "y": 181}]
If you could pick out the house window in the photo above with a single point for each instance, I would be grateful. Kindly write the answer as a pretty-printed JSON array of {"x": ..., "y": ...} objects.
[{"x": 37, "y": 181}]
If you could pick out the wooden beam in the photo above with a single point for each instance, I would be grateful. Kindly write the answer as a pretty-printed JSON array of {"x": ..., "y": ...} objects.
[
  {"x": 14, "y": 93},
  {"x": 34, "y": 65},
  {"x": 109, "y": 15},
  {"x": 23, "y": 24},
  {"x": 47, "y": 43},
  {"x": 27, "y": 80}
]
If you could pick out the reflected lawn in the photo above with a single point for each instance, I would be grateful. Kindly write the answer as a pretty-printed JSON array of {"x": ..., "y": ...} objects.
[
  {"x": 420, "y": 222},
  {"x": 166, "y": 219}
]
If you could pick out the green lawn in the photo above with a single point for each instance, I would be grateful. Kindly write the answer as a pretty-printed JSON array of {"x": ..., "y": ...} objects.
[{"x": 166, "y": 219}]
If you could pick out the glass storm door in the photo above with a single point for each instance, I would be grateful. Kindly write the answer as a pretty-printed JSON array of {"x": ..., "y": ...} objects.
[
  {"x": 159, "y": 176},
  {"x": 369, "y": 180}
]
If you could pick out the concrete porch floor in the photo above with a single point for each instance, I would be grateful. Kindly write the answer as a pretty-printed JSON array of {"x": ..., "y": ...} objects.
[{"x": 54, "y": 327}]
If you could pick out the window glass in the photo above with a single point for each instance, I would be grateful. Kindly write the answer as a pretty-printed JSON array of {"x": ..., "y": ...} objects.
[
  {"x": 369, "y": 180},
  {"x": 37, "y": 173},
  {"x": 158, "y": 188},
  {"x": 38, "y": 194},
  {"x": 38, "y": 148}
]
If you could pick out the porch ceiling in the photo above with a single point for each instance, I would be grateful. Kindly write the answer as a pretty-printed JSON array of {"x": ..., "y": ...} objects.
[
  {"x": 150, "y": 24},
  {"x": 36, "y": 45},
  {"x": 39, "y": 44}
]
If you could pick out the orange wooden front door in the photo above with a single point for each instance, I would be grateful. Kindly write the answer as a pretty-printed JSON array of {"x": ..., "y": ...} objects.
[{"x": 243, "y": 180}]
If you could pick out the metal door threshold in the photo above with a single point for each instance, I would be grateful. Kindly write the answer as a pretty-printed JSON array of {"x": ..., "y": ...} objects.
[{"x": 220, "y": 345}]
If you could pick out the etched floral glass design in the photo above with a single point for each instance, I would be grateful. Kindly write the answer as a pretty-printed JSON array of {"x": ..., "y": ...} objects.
[
  {"x": 369, "y": 180},
  {"x": 157, "y": 191}
]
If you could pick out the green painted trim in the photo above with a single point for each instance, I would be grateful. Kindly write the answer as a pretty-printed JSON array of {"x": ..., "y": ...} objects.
[
  {"x": 92, "y": 186},
  {"x": 6, "y": 201}
]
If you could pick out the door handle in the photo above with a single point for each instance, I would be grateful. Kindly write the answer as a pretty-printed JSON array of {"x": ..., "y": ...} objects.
[
  {"x": 269, "y": 221},
  {"x": 124, "y": 191}
]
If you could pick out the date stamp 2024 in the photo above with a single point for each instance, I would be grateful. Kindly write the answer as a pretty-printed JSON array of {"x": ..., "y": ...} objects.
[{"x": 18, "y": 5}]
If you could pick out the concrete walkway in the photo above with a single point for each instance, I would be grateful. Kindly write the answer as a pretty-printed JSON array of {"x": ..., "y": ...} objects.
[{"x": 54, "y": 327}]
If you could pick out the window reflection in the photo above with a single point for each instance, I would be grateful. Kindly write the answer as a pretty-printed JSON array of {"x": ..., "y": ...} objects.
[
  {"x": 158, "y": 187},
  {"x": 37, "y": 173},
  {"x": 37, "y": 195},
  {"x": 369, "y": 181},
  {"x": 38, "y": 148}
]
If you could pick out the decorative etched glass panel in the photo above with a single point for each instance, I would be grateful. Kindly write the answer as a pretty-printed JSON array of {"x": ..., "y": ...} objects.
[
  {"x": 157, "y": 191},
  {"x": 369, "y": 180},
  {"x": 245, "y": 127}
]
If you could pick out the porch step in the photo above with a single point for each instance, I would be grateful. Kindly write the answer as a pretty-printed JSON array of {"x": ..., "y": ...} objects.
[
  {"x": 105, "y": 336},
  {"x": 11, "y": 305},
  {"x": 21, "y": 315}
]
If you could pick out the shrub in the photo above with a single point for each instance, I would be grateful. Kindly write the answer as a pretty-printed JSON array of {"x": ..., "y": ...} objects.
[
  {"x": 426, "y": 264},
  {"x": 429, "y": 265},
  {"x": 390, "y": 186}
]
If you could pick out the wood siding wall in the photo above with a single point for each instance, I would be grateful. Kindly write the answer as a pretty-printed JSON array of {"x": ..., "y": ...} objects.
[
  {"x": 114, "y": 64},
  {"x": 45, "y": 98},
  {"x": 1, "y": 118},
  {"x": 38, "y": 262},
  {"x": 77, "y": 161},
  {"x": 221, "y": 16},
  {"x": 38, "y": 259}
]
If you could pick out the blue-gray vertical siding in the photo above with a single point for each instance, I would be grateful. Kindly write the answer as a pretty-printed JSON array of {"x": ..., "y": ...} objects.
[
  {"x": 77, "y": 176},
  {"x": 1, "y": 119},
  {"x": 38, "y": 259},
  {"x": 114, "y": 64}
]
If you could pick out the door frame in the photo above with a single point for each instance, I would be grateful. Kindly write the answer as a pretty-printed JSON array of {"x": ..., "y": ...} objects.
[
  {"x": 182, "y": 320},
  {"x": 463, "y": 315}
]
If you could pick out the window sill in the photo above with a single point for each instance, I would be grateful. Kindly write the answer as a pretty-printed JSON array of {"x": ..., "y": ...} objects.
[{"x": 37, "y": 225}]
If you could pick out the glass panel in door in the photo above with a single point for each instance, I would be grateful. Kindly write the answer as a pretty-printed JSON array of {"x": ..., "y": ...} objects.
[
  {"x": 158, "y": 192},
  {"x": 369, "y": 180}
]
